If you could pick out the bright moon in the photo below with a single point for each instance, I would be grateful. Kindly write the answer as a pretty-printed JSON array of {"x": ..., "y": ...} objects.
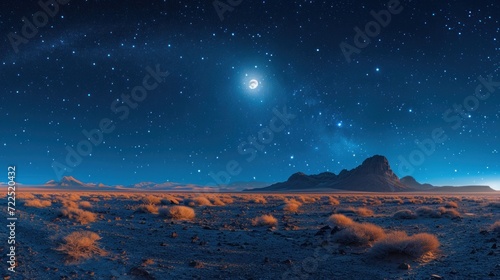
[{"x": 253, "y": 84}]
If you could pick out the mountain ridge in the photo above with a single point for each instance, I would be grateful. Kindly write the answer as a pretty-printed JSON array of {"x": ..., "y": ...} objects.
[{"x": 373, "y": 175}]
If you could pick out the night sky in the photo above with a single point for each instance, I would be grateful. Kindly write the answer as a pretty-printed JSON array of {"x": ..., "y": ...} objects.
[{"x": 424, "y": 74}]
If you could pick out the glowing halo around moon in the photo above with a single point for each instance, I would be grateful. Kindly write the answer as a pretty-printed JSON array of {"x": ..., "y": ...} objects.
[{"x": 253, "y": 84}]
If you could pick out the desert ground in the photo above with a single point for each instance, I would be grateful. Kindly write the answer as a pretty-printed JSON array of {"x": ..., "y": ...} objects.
[{"x": 111, "y": 235}]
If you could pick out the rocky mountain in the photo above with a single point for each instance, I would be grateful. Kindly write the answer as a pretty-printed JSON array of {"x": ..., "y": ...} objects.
[
  {"x": 373, "y": 175},
  {"x": 412, "y": 183}
]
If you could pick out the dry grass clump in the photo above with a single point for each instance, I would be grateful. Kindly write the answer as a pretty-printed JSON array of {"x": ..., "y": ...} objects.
[
  {"x": 427, "y": 212},
  {"x": 306, "y": 199},
  {"x": 150, "y": 199},
  {"x": 227, "y": 199},
  {"x": 340, "y": 221},
  {"x": 217, "y": 201},
  {"x": 85, "y": 204},
  {"x": 434, "y": 200},
  {"x": 450, "y": 213},
  {"x": 399, "y": 243},
  {"x": 170, "y": 199},
  {"x": 25, "y": 196},
  {"x": 395, "y": 200},
  {"x": 404, "y": 214},
  {"x": 265, "y": 220},
  {"x": 258, "y": 200},
  {"x": 359, "y": 234},
  {"x": 147, "y": 208},
  {"x": 292, "y": 206},
  {"x": 373, "y": 202},
  {"x": 178, "y": 212},
  {"x": 68, "y": 203},
  {"x": 414, "y": 201},
  {"x": 80, "y": 245},
  {"x": 354, "y": 233},
  {"x": 361, "y": 211},
  {"x": 198, "y": 201},
  {"x": 37, "y": 203},
  {"x": 451, "y": 204},
  {"x": 79, "y": 215},
  {"x": 333, "y": 201},
  {"x": 74, "y": 197},
  {"x": 495, "y": 227}
]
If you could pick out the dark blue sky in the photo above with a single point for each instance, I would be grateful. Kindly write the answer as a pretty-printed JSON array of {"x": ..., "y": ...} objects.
[{"x": 417, "y": 77}]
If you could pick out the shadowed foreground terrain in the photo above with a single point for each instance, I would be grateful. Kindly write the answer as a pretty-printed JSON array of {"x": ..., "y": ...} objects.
[{"x": 104, "y": 235}]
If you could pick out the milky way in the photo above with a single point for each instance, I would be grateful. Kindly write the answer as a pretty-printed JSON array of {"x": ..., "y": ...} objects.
[{"x": 418, "y": 87}]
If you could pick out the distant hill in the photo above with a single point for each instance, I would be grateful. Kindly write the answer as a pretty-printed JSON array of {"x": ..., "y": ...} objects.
[
  {"x": 411, "y": 182},
  {"x": 71, "y": 183},
  {"x": 373, "y": 175}
]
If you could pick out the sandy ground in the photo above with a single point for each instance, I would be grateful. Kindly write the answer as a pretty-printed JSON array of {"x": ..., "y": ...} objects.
[{"x": 222, "y": 243}]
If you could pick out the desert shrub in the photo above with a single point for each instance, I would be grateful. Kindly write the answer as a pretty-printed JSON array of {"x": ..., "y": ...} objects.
[
  {"x": 495, "y": 227},
  {"x": 85, "y": 204},
  {"x": 373, "y": 202},
  {"x": 37, "y": 203},
  {"x": 170, "y": 199},
  {"x": 217, "y": 201},
  {"x": 178, "y": 212},
  {"x": 198, "y": 201},
  {"x": 364, "y": 212},
  {"x": 451, "y": 204},
  {"x": 427, "y": 212},
  {"x": 74, "y": 197},
  {"x": 265, "y": 220},
  {"x": 399, "y": 243},
  {"x": 79, "y": 215},
  {"x": 68, "y": 203},
  {"x": 80, "y": 245},
  {"x": 395, "y": 200},
  {"x": 361, "y": 211},
  {"x": 227, "y": 199},
  {"x": 435, "y": 200},
  {"x": 150, "y": 199},
  {"x": 306, "y": 199},
  {"x": 339, "y": 220},
  {"x": 450, "y": 213},
  {"x": 333, "y": 201},
  {"x": 292, "y": 206},
  {"x": 258, "y": 200},
  {"x": 147, "y": 208},
  {"x": 414, "y": 201},
  {"x": 359, "y": 234},
  {"x": 25, "y": 196},
  {"x": 404, "y": 214}
]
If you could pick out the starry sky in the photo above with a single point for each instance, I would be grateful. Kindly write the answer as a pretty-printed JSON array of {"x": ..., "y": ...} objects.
[{"x": 417, "y": 78}]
